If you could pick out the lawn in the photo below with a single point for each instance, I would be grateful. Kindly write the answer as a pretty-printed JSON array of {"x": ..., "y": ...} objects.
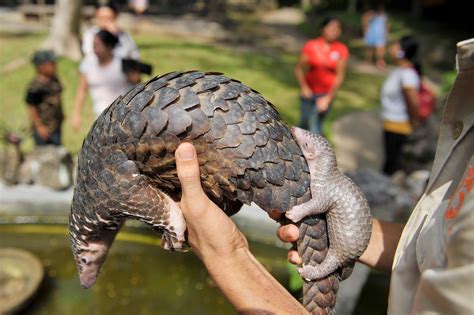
[{"x": 270, "y": 74}]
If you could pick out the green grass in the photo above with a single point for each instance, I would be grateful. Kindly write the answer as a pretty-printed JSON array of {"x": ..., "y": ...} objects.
[
  {"x": 270, "y": 74},
  {"x": 17, "y": 46}
]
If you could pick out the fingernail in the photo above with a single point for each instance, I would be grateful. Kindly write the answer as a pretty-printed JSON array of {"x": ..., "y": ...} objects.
[{"x": 186, "y": 152}]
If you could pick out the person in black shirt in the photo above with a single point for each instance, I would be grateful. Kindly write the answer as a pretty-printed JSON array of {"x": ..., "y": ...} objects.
[{"x": 44, "y": 100}]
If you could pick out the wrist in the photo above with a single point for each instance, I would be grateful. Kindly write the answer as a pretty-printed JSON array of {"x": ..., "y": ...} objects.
[
  {"x": 219, "y": 263},
  {"x": 330, "y": 96},
  {"x": 305, "y": 86}
]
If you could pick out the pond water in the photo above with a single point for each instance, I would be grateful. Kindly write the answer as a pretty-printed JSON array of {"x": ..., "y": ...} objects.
[{"x": 137, "y": 278}]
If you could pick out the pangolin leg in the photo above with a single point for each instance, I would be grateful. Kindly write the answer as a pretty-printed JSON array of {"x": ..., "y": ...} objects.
[
  {"x": 174, "y": 226},
  {"x": 312, "y": 206},
  {"x": 162, "y": 213},
  {"x": 328, "y": 266},
  {"x": 346, "y": 271}
]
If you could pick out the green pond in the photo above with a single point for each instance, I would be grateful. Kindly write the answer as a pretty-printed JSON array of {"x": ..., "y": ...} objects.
[{"x": 138, "y": 277}]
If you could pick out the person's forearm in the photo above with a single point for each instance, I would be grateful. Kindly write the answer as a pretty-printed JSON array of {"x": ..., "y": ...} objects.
[
  {"x": 382, "y": 246},
  {"x": 249, "y": 286},
  {"x": 78, "y": 102},
  {"x": 335, "y": 87},
  {"x": 80, "y": 95},
  {"x": 341, "y": 72},
  {"x": 299, "y": 74},
  {"x": 411, "y": 100},
  {"x": 34, "y": 116}
]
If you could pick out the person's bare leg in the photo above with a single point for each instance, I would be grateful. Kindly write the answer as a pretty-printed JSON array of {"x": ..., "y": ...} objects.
[
  {"x": 379, "y": 56},
  {"x": 369, "y": 55}
]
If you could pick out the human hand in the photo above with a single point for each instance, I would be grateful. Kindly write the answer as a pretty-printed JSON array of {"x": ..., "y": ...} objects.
[
  {"x": 288, "y": 233},
  {"x": 42, "y": 130},
  {"x": 323, "y": 102},
  {"x": 112, "y": 27},
  {"x": 133, "y": 77},
  {"x": 213, "y": 236},
  {"x": 76, "y": 122},
  {"x": 306, "y": 92}
]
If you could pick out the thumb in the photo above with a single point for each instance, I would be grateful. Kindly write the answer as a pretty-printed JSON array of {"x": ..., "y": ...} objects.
[{"x": 188, "y": 170}]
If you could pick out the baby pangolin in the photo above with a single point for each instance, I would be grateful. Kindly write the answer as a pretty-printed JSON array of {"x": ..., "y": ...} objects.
[{"x": 347, "y": 211}]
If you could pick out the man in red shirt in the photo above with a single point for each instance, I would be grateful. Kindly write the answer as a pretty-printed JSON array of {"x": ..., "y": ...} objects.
[{"x": 320, "y": 71}]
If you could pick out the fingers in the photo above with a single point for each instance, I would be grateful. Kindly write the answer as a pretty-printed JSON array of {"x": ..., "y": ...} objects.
[
  {"x": 294, "y": 257},
  {"x": 188, "y": 170},
  {"x": 288, "y": 233},
  {"x": 195, "y": 204}
]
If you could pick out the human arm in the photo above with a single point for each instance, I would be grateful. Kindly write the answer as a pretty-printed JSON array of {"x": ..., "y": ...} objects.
[
  {"x": 323, "y": 102},
  {"x": 224, "y": 250},
  {"x": 79, "y": 102},
  {"x": 410, "y": 83},
  {"x": 34, "y": 97},
  {"x": 133, "y": 76},
  {"x": 411, "y": 100},
  {"x": 42, "y": 130},
  {"x": 379, "y": 253},
  {"x": 299, "y": 73}
]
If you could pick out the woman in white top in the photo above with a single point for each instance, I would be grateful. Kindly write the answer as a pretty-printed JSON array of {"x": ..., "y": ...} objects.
[
  {"x": 399, "y": 99},
  {"x": 106, "y": 19},
  {"x": 103, "y": 76}
]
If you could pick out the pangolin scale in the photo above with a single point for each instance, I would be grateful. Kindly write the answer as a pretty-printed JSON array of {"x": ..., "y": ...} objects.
[{"x": 246, "y": 154}]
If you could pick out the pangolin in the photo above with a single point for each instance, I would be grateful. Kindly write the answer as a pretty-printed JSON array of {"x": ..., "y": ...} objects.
[
  {"x": 347, "y": 211},
  {"x": 126, "y": 168}
]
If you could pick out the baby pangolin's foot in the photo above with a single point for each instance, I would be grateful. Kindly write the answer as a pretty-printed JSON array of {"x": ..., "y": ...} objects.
[
  {"x": 173, "y": 242},
  {"x": 310, "y": 273},
  {"x": 294, "y": 214}
]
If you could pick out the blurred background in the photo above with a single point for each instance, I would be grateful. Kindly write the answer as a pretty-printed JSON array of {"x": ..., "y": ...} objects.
[{"x": 255, "y": 41}]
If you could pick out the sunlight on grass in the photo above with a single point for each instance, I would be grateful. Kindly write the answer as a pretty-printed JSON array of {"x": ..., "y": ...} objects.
[{"x": 18, "y": 46}]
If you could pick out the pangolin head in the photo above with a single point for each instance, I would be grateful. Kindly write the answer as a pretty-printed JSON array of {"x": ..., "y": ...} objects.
[
  {"x": 314, "y": 147},
  {"x": 91, "y": 227},
  {"x": 91, "y": 241}
]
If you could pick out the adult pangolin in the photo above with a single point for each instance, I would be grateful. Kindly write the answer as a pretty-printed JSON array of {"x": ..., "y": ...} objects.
[{"x": 246, "y": 154}]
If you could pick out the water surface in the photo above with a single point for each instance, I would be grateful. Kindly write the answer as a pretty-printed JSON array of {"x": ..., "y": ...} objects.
[{"x": 137, "y": 278}]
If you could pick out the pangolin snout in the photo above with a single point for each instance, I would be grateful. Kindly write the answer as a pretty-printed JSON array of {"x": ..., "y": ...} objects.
[{"x": 87, "y": 280}]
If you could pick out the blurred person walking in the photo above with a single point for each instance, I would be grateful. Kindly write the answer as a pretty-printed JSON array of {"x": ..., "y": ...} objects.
[
  {"x": 43, "y": 97},
  {"x": 103, "y": 76},
  {"x": 375, "y": 27},
  {"x": 320, "y": 71},
  {"x": 399, "y": 98},
  {"x": 106, "y": 19}
]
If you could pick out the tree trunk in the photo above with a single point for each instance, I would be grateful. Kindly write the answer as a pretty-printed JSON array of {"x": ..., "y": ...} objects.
[
  {"x": 352, "y": 6},
  {"x": 64, "y": 33}
]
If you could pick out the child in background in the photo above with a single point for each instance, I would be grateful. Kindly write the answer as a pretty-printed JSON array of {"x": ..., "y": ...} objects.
[
  {"x": 44, "y": 100},
  {"x": 375, "y": 27}
]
